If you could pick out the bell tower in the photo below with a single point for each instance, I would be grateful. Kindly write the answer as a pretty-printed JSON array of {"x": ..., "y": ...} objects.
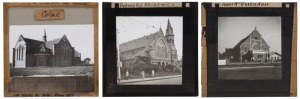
[{"x": 170, "y": 39}]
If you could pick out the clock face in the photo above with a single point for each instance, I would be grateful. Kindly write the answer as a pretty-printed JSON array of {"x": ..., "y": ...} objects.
[{"x": 256, "y": 47}]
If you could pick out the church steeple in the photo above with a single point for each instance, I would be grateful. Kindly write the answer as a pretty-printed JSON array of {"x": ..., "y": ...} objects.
[
  {"x": 169, "y": 30},
  {"x": 169, "y": 33},
  {"x": 45, "y": 36}
]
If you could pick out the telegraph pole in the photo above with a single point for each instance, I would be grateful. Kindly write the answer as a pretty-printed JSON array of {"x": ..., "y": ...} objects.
[{"x": 119, "y": 63}]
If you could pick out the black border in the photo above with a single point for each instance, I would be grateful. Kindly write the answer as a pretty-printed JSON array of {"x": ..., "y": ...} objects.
[
  {"x": 217, "y": 87},
  {"x": 189, "y": 86}
]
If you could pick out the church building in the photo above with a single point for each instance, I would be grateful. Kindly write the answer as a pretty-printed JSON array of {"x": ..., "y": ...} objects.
[
  {"x": 158, "y": 46},
  {"x": 252, "y": 48},
  {"x": 53, "y": 53}
]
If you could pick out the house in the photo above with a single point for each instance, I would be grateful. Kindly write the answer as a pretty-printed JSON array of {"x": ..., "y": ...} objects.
[{"x": 274, "y": 56}]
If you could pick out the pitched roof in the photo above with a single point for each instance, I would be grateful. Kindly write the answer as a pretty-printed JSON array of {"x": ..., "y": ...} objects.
[
  {"x": 277, "y": 54},
  {"x": 264, "y": 41},
  {"x": 272, "y": 53},
  {"x": 35, "y": 45},
  {"x": 243, "y": 40},
  {"x": 138, "y": 43},
  {"x": 77, "y": 54},
  {"x": 42, "y": 48},
  {"x": 32, "y": 45},
  {"x": 49, "y": 44}
]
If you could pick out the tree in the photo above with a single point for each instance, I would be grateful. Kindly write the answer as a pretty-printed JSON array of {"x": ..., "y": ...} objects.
[
  {"x": 144, "y": 59},
  {"x": 137, "y": 65},
  {"x": 87, "y": 61},
  {"x": 247, "y": 56}
]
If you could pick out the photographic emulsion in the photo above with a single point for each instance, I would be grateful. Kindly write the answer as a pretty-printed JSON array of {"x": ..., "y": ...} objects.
[
  {"x": 150, "y": 49},
  {"x": 50, "y": 49},
  {"x": 248, "y": 49}
]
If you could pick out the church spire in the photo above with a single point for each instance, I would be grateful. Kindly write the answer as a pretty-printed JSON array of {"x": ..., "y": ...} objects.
[
  {"x": 169, "y": 33},
  {"x": 169, "y": 22},
  {"x": 169, "y": 30},
  {"x": 160, "y": 30},
  {"x": 45, "y": 36}
]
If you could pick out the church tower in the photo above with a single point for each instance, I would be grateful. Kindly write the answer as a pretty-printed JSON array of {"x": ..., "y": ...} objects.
[
  {"x": 170, "y": 39},
  {"x": 45, "y": 36},
  {"x": 169, "y": 34}
]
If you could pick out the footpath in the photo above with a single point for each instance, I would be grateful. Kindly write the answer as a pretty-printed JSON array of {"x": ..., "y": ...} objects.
[{"x": 148, "y": 79}]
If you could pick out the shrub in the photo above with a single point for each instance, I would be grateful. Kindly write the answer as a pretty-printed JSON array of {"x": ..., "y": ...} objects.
[
  {"x": 157, "y": 68},
  {"x": 138, "y": 67},
  {"x": 178, "y": 70},
  {"x": 169, "y": 68}
]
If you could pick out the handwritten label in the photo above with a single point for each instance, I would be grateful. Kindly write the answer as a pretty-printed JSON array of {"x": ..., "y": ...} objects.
[
  {"x": 54, "y": 4},
  {"x": 149, "y": 4},
  {"x": 49, "y": 14},
  {"x": 248, "y": 4}
]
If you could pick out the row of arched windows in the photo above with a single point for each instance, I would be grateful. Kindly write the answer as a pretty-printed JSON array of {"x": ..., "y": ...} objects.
[{"x": 20, "y": 53}]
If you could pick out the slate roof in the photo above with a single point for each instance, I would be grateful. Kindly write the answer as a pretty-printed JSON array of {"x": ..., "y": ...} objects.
[
  {"x": 33, "y": 45},
  {"x": 272, "y": 53},
  {"x": 138, "y": 43},
  {"x": 243, "y": 40},
  {"x": 77, "y": 54},
  {"x": 49, "y": 44},
  {"x": 277, "y": 54}
]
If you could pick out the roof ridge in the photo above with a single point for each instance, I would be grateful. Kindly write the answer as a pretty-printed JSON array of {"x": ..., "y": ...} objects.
[
  {"x": 32, "y": 39},
  {"x": 140, "y": 42},
  {"x": 241, "y": 41},
  {"x": 55, "y": 39},
  {"x": 140, "y": 37}
]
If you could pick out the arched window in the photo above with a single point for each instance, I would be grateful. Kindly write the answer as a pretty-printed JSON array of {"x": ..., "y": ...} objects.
[
  {"x": 161, "y": 49},
  {"x": 20, "y": 52},
  {"x": 17, "y": 51},
  {"x": 255, "y": 46},
  {"x": 65, "y": 52}
]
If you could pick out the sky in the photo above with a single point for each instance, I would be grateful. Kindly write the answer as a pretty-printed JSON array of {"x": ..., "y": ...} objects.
[
  {"x": 233, "y": 29},
  {"x": 80, "y": 36},
  {"x": 132, "y": 27}
]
